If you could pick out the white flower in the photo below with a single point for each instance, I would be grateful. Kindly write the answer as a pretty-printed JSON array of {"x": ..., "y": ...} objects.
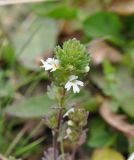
[
  {"x": 131, "y": 157},
  {"x": 69, "y": 111},
  {"x": 73, "y": 82},
  {"x": 87, "y": 68},
  {"x": 50, "y": 64}
]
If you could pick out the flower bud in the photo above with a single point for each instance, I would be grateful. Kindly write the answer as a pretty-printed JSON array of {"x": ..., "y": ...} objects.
[
  {"x": 87, "y": 68},
  {"x": 70, "y": 123}
]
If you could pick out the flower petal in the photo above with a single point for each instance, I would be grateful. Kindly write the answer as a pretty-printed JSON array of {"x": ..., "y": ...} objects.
[
  {"x": 76, "y": 88},
  {"x": 131, "y": 157},
  {"x": 80, "y": 83},
  {"x": 57, "y": 62},
  {"x": 50, "y": 60},
  {"x": 73, "y": 77},
  {"x": 68, "y": 85},
  {"x": 50, "y": 64},
  {"x": 47, "y": 66},
  {"x": 69, "y": 111},
  {"x": 53, "y": 69},
  {"x": 43, "y": 62}
]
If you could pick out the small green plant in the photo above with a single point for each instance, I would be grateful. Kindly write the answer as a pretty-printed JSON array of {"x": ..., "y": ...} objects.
[{"x": 67, "y": 69}]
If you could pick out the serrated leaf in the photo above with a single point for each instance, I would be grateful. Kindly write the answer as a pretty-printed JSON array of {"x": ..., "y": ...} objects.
[{"x": 34, "y": 107}]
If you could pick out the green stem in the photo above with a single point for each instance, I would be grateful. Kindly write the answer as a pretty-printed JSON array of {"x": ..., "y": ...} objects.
[
  {"x": 62, "y": 149},
  {"x": 56, "y": 132},
  {"x": 54, "y": 145}
]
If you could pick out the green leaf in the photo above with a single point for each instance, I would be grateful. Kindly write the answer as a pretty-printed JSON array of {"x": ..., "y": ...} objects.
[
  {"x": 128, "y": 105},
  {"x": 129, "y": 26},
  {"x": 104, "y": 25},
  {"x": 55, "y": 10},
  {"x": 39, "y": 106},
  {"x": 8, "y": 54},
  {"x": 129, "y": 55},
  {"x": 106, "y": 154},
  {"x": 34, "y": 107},
  {"x": 99, "y": 135}
]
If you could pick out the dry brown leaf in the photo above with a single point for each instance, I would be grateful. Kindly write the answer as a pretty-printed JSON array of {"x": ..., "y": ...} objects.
[
  {"x": 100, "y": 50},
  {"x": 123, "y": 7},
  {"x": 116, "y": 121}
]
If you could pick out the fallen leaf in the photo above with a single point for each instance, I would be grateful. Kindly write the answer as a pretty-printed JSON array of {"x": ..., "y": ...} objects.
[
  {"x": 115, "y": 120},
  {"x": 101, "y": 50},
  {"x": 123, "y": 7}
]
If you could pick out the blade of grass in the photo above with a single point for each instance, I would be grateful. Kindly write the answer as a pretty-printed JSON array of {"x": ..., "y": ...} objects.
[
  {"x": 16, "y": 140},
  {"x": 29, "y": 147}
]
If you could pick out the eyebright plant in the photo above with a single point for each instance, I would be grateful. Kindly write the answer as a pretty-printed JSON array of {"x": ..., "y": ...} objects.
[{"x": 67, "y": 69}]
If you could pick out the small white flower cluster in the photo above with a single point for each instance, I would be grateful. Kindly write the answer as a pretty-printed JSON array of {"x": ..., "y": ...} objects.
[
  {"x": 131, "y": 157},
  {"x": 73, "y": 82}
]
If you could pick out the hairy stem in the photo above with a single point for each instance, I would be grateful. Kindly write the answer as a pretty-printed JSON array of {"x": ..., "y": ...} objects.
[
  {"x": 62, "y": 149},
  {"x": 56, "y": 132},
  {"x": 54, "y": 145}
]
